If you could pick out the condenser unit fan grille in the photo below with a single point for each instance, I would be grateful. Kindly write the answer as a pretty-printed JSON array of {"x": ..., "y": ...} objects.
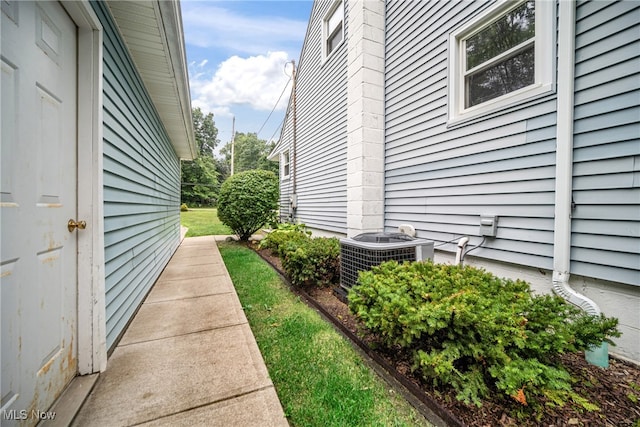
[{"x": 354, "y": 259}]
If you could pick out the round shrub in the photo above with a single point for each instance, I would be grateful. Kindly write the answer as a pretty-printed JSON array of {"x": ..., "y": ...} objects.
[
  {"x": 247, "y": 201},
  {"x": 184, "y": 207}
]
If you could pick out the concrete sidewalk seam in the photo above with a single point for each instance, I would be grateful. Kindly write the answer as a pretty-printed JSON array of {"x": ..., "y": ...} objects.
[
  {"x": 204, "y": 405},
  {"x": 163, "y": 279},
  {"x": 217, "y": 328},
  {"x": 188, "y": 298}
]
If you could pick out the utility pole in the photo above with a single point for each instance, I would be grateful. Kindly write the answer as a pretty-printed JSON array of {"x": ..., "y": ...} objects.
[{"x": 233, "y": 143}]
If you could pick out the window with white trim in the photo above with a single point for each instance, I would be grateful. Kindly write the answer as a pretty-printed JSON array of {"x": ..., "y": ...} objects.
[
  {"x": 333, "y": 29},
  {"x": 286, "y": 164},
  {"x": 503, "y": 56}
]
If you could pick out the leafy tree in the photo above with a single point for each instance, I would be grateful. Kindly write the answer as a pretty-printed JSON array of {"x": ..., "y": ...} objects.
[
  {"x": 205, "y": 132},
  {"x": 200, "y": 177},
  {"x": 222, "y": 167},
  {"x": 200, "y": 183},
  {"x": 250, "y": 153},
  {"x": 265, "y": 164}
]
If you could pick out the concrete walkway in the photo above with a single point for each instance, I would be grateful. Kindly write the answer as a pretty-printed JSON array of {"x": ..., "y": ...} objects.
[{"x": 189, "y": 357}]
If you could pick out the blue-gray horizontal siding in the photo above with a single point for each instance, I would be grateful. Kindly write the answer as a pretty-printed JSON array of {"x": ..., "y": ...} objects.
[
  {"x": 321, "y": 132},
  {"x": 606, "y": 171},
  {"x": 441, "y": 179},
  {"x": 141, "y": 185}
]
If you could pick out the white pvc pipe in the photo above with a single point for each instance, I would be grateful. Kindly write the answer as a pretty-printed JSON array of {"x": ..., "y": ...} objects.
[{"x": 462, "y": 243}]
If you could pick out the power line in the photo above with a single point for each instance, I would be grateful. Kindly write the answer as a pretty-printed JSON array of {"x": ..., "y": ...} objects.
[
  {"x": 276, "y": 131},
  {"x": 274, "y": 107}
]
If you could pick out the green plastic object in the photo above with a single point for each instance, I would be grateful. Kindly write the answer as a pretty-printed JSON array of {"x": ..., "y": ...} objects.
[{"x": 598, "y": 356}]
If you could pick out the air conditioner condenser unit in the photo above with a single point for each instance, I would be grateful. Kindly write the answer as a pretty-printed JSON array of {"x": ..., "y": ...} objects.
[{"x": 366, "y": 250}]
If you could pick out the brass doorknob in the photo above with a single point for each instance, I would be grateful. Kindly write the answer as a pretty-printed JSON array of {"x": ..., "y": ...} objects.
[{"x": 72, "y": 225}]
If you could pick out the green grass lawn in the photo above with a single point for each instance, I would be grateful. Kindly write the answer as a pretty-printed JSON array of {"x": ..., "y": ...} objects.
[
  {"x": 320, "y": 379},
  {"x": 203, "y": 222}
]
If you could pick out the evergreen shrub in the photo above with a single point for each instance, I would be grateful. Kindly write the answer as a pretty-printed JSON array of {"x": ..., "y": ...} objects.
[
  {"x": 284, "y": 235},
  {"x": 312, "y": 262},
  {"x": 478, "y": 333}
]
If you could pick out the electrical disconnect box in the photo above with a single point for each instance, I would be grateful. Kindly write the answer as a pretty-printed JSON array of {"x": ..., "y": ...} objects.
[{"x": 488, "y": 225}]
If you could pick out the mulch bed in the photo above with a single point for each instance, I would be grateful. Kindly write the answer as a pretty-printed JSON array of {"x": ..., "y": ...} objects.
[{"x": 608, "y": 388}]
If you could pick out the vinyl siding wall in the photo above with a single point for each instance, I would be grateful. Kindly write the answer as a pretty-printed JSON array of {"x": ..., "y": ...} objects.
[
  {"x": 321, "y": 132},
  {"x": 606, "y": 170},
  {"x": 141, "y": 185},
  {"x": 441, "y": 178}
]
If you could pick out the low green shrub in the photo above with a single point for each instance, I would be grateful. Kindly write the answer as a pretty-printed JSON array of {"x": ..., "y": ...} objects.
[
  {"x": 289, "y": 226},
  {"x": 476, "y": 332},
  {"x": 247, "y": 201},
  {"x": 312, "y": 262},
  {"x": 284, "y": 235},
  {"x": 184, "y": 207}
]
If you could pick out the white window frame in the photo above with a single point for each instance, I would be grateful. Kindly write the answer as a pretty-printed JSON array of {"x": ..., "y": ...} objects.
[
  {"x": 286, "y": 164},
  {"x": 336, "y": 8},
  {"x": 544, "y": 60}
]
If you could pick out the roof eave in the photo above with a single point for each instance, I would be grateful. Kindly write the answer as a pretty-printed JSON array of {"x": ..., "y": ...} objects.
[{"x": 153, "y": 34}]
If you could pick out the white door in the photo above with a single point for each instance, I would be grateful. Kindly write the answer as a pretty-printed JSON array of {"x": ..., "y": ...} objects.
[{"x": 38, "y": 261}]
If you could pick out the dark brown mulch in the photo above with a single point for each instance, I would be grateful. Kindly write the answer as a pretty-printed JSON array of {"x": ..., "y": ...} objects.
[{"x": 615, "y": 390}]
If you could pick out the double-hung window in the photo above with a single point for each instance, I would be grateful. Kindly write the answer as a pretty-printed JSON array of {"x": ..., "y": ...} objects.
[
  {"x": 503, "y": 56},
  {"x": 333, "y": 28}
]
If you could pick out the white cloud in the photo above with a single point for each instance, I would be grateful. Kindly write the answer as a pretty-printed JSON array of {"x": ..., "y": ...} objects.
[
  {"x": 217, "y": 111},
  {"x": 210, "y": 26},
  {"x": 255, "y": 81}
]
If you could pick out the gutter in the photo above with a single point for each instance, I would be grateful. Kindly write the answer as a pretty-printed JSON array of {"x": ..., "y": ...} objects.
[{"x": 564, "y": 173}]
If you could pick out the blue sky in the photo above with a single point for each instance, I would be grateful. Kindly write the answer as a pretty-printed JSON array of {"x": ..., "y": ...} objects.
[{"x": 237, "y": 53}]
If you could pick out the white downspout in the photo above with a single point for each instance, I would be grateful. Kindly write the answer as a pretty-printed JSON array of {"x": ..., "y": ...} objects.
[{"x": 564, "y": 162}]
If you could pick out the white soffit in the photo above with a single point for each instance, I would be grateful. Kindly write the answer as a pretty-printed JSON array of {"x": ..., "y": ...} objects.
[{"x": 152, "y": 31}]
